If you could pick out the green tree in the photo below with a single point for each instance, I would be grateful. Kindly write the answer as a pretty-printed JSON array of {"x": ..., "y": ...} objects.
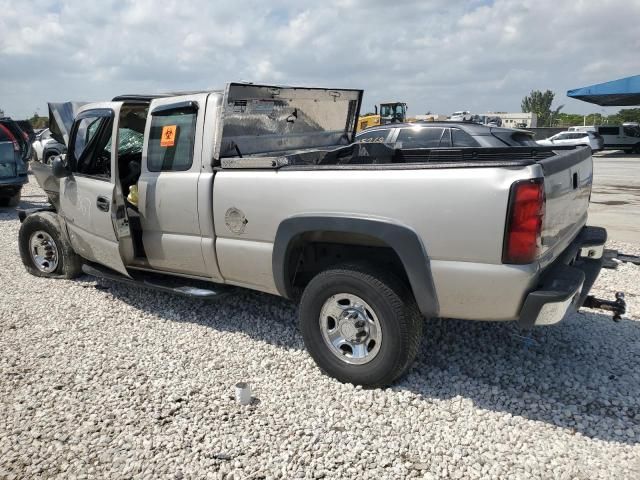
[
  {"x": 39, "y": 122},
  {"x": 569, "y": 119},
  {"x": 539, "y": 102},
  {"x": 626, "y": 115}
]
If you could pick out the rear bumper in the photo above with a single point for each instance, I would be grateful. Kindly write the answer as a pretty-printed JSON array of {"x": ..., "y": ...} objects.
[{"x": 564, "y": 286}]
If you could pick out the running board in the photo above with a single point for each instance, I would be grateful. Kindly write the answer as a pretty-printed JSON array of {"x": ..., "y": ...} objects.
[{"x": 163, "y": 283}]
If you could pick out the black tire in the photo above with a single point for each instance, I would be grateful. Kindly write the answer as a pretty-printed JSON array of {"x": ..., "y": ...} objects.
[
  {"x": 14, "y": 201},
  {"x": 393, "y": 305},
  {"x": 48, "y": 159},
  {"x": 69, "y": 264}
]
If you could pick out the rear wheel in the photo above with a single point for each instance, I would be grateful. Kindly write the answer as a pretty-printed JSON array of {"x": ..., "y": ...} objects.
[
  {"x": 45, "y": 252},
  {"x": 360, "y": 325}
]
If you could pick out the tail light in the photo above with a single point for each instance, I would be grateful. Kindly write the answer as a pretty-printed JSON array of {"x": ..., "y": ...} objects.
[
  {"x": 7, "y": 132},
  {"x": 522, "y": 239}
]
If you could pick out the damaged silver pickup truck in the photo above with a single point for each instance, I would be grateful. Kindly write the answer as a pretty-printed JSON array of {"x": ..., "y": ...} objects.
[{"x": 261, "y": 187}]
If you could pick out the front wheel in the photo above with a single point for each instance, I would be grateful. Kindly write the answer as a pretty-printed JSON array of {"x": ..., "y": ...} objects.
[
  {"x": 48, "y": 158},
  {"x": 45, "y": 252},
  {"x": 360, "y": 325}
]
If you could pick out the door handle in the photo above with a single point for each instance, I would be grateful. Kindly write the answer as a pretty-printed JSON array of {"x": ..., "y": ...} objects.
[{"x": 103, "y": 203}]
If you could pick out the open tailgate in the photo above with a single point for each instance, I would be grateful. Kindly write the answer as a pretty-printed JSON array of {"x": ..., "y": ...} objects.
[{"x": 263, "y": 119}]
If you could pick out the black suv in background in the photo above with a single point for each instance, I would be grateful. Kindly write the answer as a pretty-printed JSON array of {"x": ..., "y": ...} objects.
[
  {"x": 445, "y": 135},
  {"x": 15, "y": 150}
]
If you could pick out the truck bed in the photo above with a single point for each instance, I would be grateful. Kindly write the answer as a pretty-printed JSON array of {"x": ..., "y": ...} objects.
[
  {"x": 363, "y": 154},
  {"x": 455, "y": 200}
]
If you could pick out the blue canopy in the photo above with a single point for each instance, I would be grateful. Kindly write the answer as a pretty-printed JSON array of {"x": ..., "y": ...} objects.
[{"x": 617, "y": 93}]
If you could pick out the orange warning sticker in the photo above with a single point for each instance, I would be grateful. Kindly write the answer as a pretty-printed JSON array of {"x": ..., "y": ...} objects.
[{"x": 168, "y": 138}]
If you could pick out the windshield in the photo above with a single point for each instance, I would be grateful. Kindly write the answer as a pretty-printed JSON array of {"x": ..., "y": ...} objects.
[
  {"x": 395, "y": 111},
  {"x": 129, "y": 142}
]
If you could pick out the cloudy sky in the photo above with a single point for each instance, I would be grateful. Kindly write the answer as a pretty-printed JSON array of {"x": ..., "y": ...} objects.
[{"x": 436, "y": 55}]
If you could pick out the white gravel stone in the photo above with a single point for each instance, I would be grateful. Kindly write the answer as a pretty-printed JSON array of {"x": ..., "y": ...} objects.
[{"x": 118, "y": 382}]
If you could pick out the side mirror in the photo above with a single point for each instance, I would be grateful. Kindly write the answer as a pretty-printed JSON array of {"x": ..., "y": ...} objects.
[{"x": 58, "y": 168}]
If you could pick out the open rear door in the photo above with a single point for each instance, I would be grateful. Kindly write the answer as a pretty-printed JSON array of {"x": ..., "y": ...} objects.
[{"x": 89, "y": 201}]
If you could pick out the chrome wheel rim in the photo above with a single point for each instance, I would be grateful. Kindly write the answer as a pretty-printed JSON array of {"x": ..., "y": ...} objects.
[
  {"x": 350, "y": 328},
  {"x": 44, "y": 251}
]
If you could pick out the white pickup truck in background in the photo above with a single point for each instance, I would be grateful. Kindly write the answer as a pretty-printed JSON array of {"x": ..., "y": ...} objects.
[{"x": 261, "y": 187}]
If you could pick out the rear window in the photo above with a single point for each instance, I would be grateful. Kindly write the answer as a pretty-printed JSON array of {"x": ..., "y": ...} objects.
[
  {"x": 374, "y": 136},
  {"x": 462, "y": 139},
  {"x": 171, "y": 140},
  {"x": 421, "y": 137},
  {"x": 608, "y": 130}
]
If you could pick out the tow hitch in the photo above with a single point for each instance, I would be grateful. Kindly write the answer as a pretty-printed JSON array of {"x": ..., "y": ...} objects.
[{"x": 617, "y": 306}]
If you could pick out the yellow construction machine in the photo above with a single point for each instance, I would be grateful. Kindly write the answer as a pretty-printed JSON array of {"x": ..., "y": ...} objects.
[{"x": 392, "y": 112}]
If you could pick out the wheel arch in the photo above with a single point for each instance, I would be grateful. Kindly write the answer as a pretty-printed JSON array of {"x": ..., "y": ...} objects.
[
  {"x": 23, "y": 213},
  {"x": 399, "y": 238}
]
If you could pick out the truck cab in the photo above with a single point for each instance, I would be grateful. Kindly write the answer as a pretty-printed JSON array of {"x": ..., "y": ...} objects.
[{"x": 169, "y": 147}]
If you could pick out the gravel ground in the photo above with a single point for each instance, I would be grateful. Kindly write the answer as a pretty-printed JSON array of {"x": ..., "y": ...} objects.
[{"x": 101, "y": 380}]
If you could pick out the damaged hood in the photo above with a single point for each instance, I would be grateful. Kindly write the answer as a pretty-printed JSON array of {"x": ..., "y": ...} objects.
[{"x": 61, "y": 117}]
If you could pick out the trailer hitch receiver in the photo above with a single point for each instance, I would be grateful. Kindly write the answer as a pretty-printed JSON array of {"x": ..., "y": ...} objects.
[{"x": 617, "y": 306}]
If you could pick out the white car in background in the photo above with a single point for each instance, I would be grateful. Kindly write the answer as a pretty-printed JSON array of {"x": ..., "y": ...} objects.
[
  {"x": 616, "y": 137},
  {"x": 462, "y": 116},
  {"x": 42, "y": 139},
  {"x": 589, "y": 139}
]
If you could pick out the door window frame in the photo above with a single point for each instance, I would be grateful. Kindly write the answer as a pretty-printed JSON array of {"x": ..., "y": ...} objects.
[
  {"x": 72, "y": 163},
  {"x": 190, "y": 106}
]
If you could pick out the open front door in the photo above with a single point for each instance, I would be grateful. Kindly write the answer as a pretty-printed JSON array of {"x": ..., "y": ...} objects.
[{"x": 88, "y": 200}]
